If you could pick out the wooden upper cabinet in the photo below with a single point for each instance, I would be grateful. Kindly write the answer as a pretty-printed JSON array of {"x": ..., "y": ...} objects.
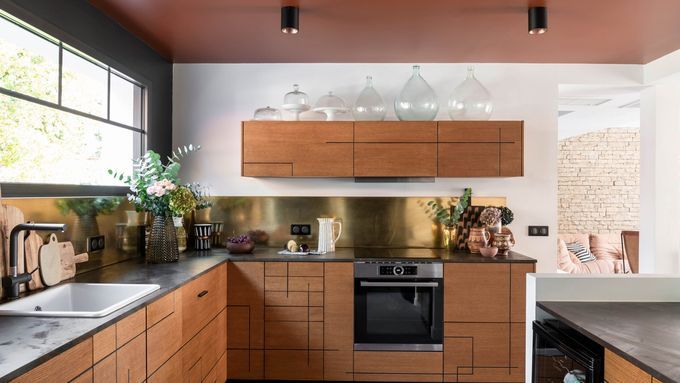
[
  {"x": 297, "y": 149},
  {"x": 480, "y": 148},
  {"x": 395, "y": 149}
]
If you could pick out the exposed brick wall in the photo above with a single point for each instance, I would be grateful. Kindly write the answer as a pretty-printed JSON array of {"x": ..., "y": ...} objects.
[{"x": 599, "y": 182}]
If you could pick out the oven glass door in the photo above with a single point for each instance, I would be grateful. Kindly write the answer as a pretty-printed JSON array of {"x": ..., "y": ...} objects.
[{"x": 398, "y": 312}]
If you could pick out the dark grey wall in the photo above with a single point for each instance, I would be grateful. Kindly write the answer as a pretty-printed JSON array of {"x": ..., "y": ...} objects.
[{"x": 83, "y": 26}]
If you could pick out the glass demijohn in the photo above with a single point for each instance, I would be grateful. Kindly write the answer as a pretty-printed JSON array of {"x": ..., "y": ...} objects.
[
  {"x": 296, "y": 102},
  {"x": 417, "y": 101},
  {"x": 369, "y": 105},
  {"x": 267, "y": 114},
  {"x": 470, "y": 100}
]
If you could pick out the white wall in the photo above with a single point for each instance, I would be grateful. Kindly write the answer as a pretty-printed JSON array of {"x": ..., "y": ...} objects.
[{"x": 210, "y": 100}]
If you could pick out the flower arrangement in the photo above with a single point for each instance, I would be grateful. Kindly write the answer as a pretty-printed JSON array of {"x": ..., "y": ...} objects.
[
  {"x": 490, "y": 216},
  {"x": 449, "y": 215},
  {"x": 155, "y": 187}
]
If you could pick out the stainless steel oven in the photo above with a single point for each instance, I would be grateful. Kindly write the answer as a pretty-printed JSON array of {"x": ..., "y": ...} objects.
[{"x": 398, "y": 305}]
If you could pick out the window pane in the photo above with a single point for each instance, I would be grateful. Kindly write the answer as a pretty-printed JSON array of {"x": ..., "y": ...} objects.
[
  {"x": 29, "y": 64},
  {"x": 84, "y": 85},
  {"x": 126, "y": 102},
  {"x": 43, "y": 145}
]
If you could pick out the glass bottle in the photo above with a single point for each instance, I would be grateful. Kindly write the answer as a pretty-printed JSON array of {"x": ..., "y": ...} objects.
[
  {"x": 417, "y": 101},
  {"x": 369, "y": 105},
  {"x": 470, "y": 100}
]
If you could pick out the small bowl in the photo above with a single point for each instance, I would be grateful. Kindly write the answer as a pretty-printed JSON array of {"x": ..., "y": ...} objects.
[
  {"x": 489, "y": 251},
  {"x": 240, "y": 248}
]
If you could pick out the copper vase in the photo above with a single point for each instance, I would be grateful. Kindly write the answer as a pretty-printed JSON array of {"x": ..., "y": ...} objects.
[{"x": 478, "y": 237}]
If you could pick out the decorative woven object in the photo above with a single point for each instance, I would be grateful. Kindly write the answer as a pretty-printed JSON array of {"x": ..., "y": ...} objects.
[
  {"x": 203, "y": 235},
  {"x": 162, "y": 243},
  {"x": 217, "y": 233},
  {"x": 470, "y": 218}
]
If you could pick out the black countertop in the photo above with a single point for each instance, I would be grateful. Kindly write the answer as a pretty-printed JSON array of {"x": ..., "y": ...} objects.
[
  {"x": 646, "y": 334},
  {"x": 25, "y": 342}
]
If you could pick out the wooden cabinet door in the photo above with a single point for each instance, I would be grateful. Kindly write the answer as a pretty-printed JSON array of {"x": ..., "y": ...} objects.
[
  {"x": 105, "y": 371},
  {"x": 518, "y": 285},
  {"x": 476, "y": 292},
  {"x": 480, "y": 148},
  {"x": 398, "y": 366},
  {"x": 245, "y": 325},
  {"x": 164, "y": 333},
  {"x": 131, "y": 361},
  {"x": 62, "y": 368},
  {"x": 170, "y": 371},
  {"x": 297, "y": 149},
  {"x": 619, "y": 370},
  {"x": 338, "y": 306},
  {"x": 202, "y": 299},
  {"x": 395, "y": 149}
]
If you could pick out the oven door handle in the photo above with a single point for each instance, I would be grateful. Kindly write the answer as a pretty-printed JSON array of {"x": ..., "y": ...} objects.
[{"x": 398, "y": 284}]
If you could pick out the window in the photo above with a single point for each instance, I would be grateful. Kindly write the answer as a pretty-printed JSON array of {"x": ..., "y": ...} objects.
[{"x": 65, "y": 117}]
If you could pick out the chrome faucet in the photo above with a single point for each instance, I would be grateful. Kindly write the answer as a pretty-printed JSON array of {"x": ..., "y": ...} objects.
[{"x": 11, "y": 282}]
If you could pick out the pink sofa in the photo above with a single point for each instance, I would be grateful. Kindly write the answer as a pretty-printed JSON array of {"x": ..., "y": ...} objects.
[{"x": 605, "y": 247}]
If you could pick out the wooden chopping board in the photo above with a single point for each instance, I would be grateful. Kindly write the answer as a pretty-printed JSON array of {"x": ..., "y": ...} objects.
[
  {"x": 32, "y": 245},
  {"x": 50, "y": 263},
  {"x": 69, "y": 259}
]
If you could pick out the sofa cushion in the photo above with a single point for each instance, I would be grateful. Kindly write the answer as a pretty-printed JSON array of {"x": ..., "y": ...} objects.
[
  {"x": 569, "y": 238},
  {"x": 606, "y": 246},
  {"x": 581, "y": 252}
]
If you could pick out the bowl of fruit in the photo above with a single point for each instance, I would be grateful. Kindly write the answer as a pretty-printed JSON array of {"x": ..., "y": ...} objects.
[{"x": 240, "y": 244}]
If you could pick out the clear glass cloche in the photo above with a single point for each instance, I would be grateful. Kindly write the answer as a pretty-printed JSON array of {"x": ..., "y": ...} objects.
[
  {"x": 296, "y": 102},
  {"x": 369, "y": 105},
  {"x": 331, "y": 105},
  {"x": 470, "y": 100},
  {"x": 267, "y": 114}
]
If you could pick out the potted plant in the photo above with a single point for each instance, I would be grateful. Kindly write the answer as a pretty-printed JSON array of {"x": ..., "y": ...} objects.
[
  {"x": 86, "y": 211},
  {"x": 182, "y": 201},
  {"x": 203, "y": 202},
  {"x": 448, "y": 217},
  {"x": 153, "y": 187}
]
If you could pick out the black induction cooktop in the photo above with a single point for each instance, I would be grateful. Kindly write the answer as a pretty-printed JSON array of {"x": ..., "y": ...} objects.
[{"x": 368, "y": 253}]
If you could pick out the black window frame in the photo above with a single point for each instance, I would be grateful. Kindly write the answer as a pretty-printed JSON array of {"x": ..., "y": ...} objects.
[{"x": 65, "y": 41}]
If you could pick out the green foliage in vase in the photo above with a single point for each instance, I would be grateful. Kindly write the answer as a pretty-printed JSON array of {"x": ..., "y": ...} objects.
[
  {"x": 506, "y": 215},
  {"x": 450, "y": 215},
  {"x": 202, "y": 195},
  {"x": 152, "y": 183},
  {"x": 182, "y": 201},
  {"x": 88, "y": 206}
]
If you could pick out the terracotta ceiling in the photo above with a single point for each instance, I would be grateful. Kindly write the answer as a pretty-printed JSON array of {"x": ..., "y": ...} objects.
[{"x": 248, "y": 31}]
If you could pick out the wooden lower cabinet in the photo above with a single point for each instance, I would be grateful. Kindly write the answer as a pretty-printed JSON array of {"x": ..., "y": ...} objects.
[
  {"x": 131, "y": 361},
  {"x": 338, "y": 306},
  {"x": 397, "y": 366},
  {"x": 62, "y": 368},
  {"x": 619, "y": 370}
]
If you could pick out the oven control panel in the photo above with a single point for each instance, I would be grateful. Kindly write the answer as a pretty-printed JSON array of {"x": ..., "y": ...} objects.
[{"x": 398, "y": 270}]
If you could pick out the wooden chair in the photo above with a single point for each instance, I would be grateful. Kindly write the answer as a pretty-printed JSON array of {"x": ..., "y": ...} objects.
[{"x": 630, "y": 244}]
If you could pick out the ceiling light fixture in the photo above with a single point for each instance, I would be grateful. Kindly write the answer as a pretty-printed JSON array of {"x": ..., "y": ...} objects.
[
  {"x": 290, "y": 22},
  {"x": 538, "y": 20}
]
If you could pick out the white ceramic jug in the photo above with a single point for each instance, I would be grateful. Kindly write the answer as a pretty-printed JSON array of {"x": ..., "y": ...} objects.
[{"x": 327, "y": 237}]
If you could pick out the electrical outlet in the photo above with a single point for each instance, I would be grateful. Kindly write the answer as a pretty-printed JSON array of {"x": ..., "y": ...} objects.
[
  {"x": 538, "y": 231},
  {"x": 300, "y": 229},
  {"x": 96, "y": 243}
]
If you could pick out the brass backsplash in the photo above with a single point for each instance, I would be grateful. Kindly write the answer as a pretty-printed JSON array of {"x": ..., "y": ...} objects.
[{"x": 392, "y": 222}]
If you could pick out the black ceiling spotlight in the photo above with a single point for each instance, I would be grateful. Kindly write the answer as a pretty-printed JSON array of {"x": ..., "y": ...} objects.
[
  {"x": 290, "y": 22},
  {"x": 538, "y": 20}
]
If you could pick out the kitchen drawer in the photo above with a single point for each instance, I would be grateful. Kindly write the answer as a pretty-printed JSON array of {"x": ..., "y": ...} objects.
[
  {"x": 163, "y": 307},
  {"x": 276, "y": 269},
  {"x": 104, "y": 343},
  {"x": 171, "y": 371},
  {"x": 245, "y": 364},
  {"x": 275, "y": 283},
  {"x": 203, "y": 351},
  {"x": 85, "y": 377},
  {"x": 130, "y": 327},
  {"x": 305, "y": 284},
  {"x": 105, "y": 370},
  {"x": 293, "y": 314},
  {"x": 395, "y": 131},
  {"x": 218, "y": 374},
  {"x": 62, "y": 368},
  {"x": 402, "y": 366},
  {"x": 469, "y": 131},
  {"x": 202, "y": 299},
  {"x": 305, "y": 269},
  {"x": 293, "y": 298},
  {"x": 293, "y": 335},
  {"x": 164, "y": 337},
  {"x": 131, "y": 361},
  {"x": 293, "y": 365},
  {"x": 267, "y": 170}
]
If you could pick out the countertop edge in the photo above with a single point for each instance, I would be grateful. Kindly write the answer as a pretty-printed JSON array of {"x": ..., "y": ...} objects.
[{"x": 648, "y": 369}]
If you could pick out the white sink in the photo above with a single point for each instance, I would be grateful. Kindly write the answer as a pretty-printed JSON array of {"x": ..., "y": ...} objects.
[{"x": 86, "y": 300}]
